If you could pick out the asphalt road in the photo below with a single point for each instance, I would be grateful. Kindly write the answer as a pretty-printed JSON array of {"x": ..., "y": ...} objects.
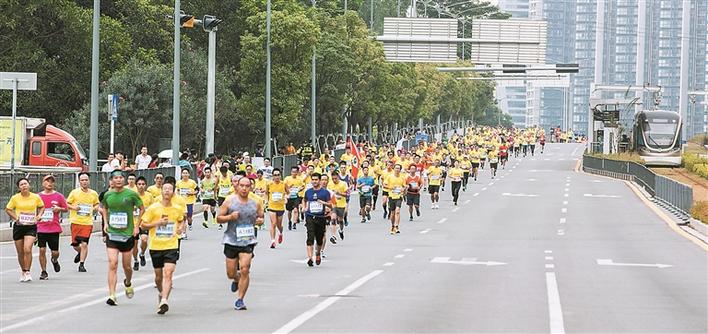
[{"x": 539, "y": 249}]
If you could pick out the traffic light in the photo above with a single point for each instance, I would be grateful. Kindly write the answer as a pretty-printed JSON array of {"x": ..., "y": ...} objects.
[
  {"x": 209, "y": 22},
  {"x": 186, "y": 21}
]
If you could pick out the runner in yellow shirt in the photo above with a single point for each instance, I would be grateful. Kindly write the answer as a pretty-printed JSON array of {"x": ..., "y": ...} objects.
[
  {"x": 294, "y": 184},
  {"x": 339, "y": 188},
  {"x": 435, "y": 175},
  {"x": 396, "y": 182},
  {"x": 82, "y": 203},
  {"x": 276, "y": 192},
  {"x": 188, "y": 190}
]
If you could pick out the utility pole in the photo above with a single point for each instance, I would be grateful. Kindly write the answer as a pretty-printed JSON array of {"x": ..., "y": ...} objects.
[
  {"x": 268, "y": 140},
  {"x": 175, "y": 87},
  {"x": 313, "y": 93}
]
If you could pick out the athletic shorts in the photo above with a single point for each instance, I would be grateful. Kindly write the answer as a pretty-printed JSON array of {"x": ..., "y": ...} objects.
[
  {"x": 316, "y": 227},
  {"x": 231, "y": 252},
  {"x": 51, "y": 239},
  {"x": 144, "y": 232},
  {"x": 190, "y": 210},
  {"x": 121, "y": 246},
  {"x": 292, "y": 203},
  {"x": 393, "y": 204},
  {"x": 413, "y": 199},
  {"x": 433, "y": 189},
  {"x": 160, "y": 257},
  {"x": 220, "y": 200},
  {"x": 493, "y": 165},
  {"x": 20, "y": 231},
  {"x": 278, "y": 213},
  {"x": 364, "y": 201},
  {"x": 210, "y": 202},
  {"x": 80, "y": 233},
  {"x": 339, "y": 211},
  {"x": 475, "y": 165},
  {"x": 384, "y": 193},
  {"x": 375, "y": 190}
]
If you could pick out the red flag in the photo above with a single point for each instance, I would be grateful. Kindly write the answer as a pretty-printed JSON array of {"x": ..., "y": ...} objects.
[{"x": 357, "y": 157}]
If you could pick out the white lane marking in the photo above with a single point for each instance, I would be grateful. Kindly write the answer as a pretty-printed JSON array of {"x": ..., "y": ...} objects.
[
  {"x": 555, "y": 312},
  {"x": 561, "y": 232},
  {"x": 466, "y": 261},
  {"x": 548, "y": 251},
  {"x": 442, "y": 220},
  {"x": 609, "y": 262},
  {"x": 399, "y": 256},
  {"x": 408, "y": 250},
  {"x": 467, "y": 202},
  {"x": 532, "y": 180},
  {"x": 565, "y": 195},
  {"x": 309, "y": 296},
  {"x": 485, "y": 188},
  {"x": 549, "y": 258},
  {"x": 388, "y": 264},
  {"x": 299, "y": 320},
  {"x": 562, "y": 220},
  {"x": 566, "y": 189},
  {"x": 519, "y": 195},
  {"x": 564, "y": 210},
  {"x": 601, "y": 196},
  {"x": 475, "y": 194},
  {"x": 425, "y": 231},
  {"x": 597, "y": 181},
  {"x": 550, "y": 265},
  {"x": 546, "y": 159},
  {"x": 575, "y": 150},
  {"x": 565, "y": 202},
  {"x": 561, "y": 159},
  {"x": 90, "y": 303},
  {"x": 455, "y": 209}
]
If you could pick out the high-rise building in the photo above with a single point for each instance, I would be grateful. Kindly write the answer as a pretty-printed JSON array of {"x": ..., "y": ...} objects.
[{"x": 584, "y": 50}]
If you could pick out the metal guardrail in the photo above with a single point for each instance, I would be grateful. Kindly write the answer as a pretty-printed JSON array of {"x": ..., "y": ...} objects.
[{"x": 674, "y": 196}]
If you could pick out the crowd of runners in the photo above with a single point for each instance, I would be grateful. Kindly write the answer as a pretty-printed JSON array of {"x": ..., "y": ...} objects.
[{"x": 137, "y": 219}]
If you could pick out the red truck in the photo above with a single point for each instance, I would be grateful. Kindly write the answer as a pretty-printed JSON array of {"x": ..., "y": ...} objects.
[{"x": 39, "y": 146}]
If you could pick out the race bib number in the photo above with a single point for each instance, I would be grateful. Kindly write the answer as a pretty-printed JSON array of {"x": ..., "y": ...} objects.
[
  {"x": 365, "y": 189},
  {"x": 245, "y": 232},
  {"x": 414, "y": 185},
  {"x": 47, "y": 216},
  {"x": 493, "y": 160},
  {"x": 277, "y": 197},
  {"x": 26, "y": 219},
  {"x": 208, "y": 194},
  {"x": 294, "y": 191},
  {"x": 166, "y": 231},
  {"x": 184, "y": 192},
  {"x": 397, "y": 190},
  {"x": 84, "y": 210},
  {"x": 224, "y": 191},
  {"x": 118, "y": 237},
  {"x": 118, "y": 220},
  {"x": 316, "y": 207},
  {"x": 435, "y": 177}
]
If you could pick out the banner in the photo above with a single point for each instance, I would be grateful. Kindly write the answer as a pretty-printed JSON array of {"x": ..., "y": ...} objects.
[{"x": 6, "y": 140}]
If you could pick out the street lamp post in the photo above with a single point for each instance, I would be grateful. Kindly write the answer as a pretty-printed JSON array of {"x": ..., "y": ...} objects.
[
  {"x": 313, "y": 92},
  {"x": 93, "y": 132},
  {"x": 175, "y": 86},
  {"x": 268, "y": 139},
  {"x": 211, "y": 87}
]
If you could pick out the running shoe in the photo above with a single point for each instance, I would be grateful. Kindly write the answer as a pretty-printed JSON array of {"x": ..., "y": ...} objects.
[
  {"x": 55, "y": 264},
  {"x": 417, "y": 212},
  {"x": 290, "y": 226},
  {"x": 272, "y": 245},
  {"x": 410, "y": 219},
  {"x": 190, "y": 227},
  {"x": 163, "y": 308},
  {"x": 333, "y": 240},
  {"x": 136, "y": 265},
  {"x": 234, "y": 286},
  {"x": 28, "y": 277},
  {"x": 111, "y": 300},
  {"x": 346, "y": 221},
  {"x": 205, "y": 224},
  {"x": 82, "y": 269},
  {"x": 295, "y": 226},
  {"x": 368, "y": 216},
  {"x": 129, "y": 291},
  {"x": 221, "y": 226},
  {"x": 239, "y": 305},
  {"x": 385, "y": 214},
  {"x": 23, "y": 277},
  {"x": 44, "y": 275},
  {"x": 77, "y": 258},
  {"x": 363, "y": 220},
  {"x": 309, "y": 262},
  {"x": 280, "y": 238},
  {"x": 341, "y": 234},
  {"x": 393, "y": 230},
  {"x": 324, "y": 256},
  {"x": 142, "y": 260},
  {"x": 398, "y": 231},
  {"x": 318, "y": 259}
]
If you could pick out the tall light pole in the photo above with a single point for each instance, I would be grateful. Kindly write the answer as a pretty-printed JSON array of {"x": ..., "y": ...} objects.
[
  {"x": 93, "y": 135},
  {"x": 313, "y": 93},
  {"x": 268, "y": 139},
  {"x": 209, "y": 24},
  {"x": 175, "y": 87}
]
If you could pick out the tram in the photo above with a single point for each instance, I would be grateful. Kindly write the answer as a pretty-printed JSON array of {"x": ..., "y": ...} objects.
[{"x": 657, "y": 137}]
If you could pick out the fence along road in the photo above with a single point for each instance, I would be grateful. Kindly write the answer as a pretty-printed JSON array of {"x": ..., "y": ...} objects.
[{"x": 546, "y": 281}]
